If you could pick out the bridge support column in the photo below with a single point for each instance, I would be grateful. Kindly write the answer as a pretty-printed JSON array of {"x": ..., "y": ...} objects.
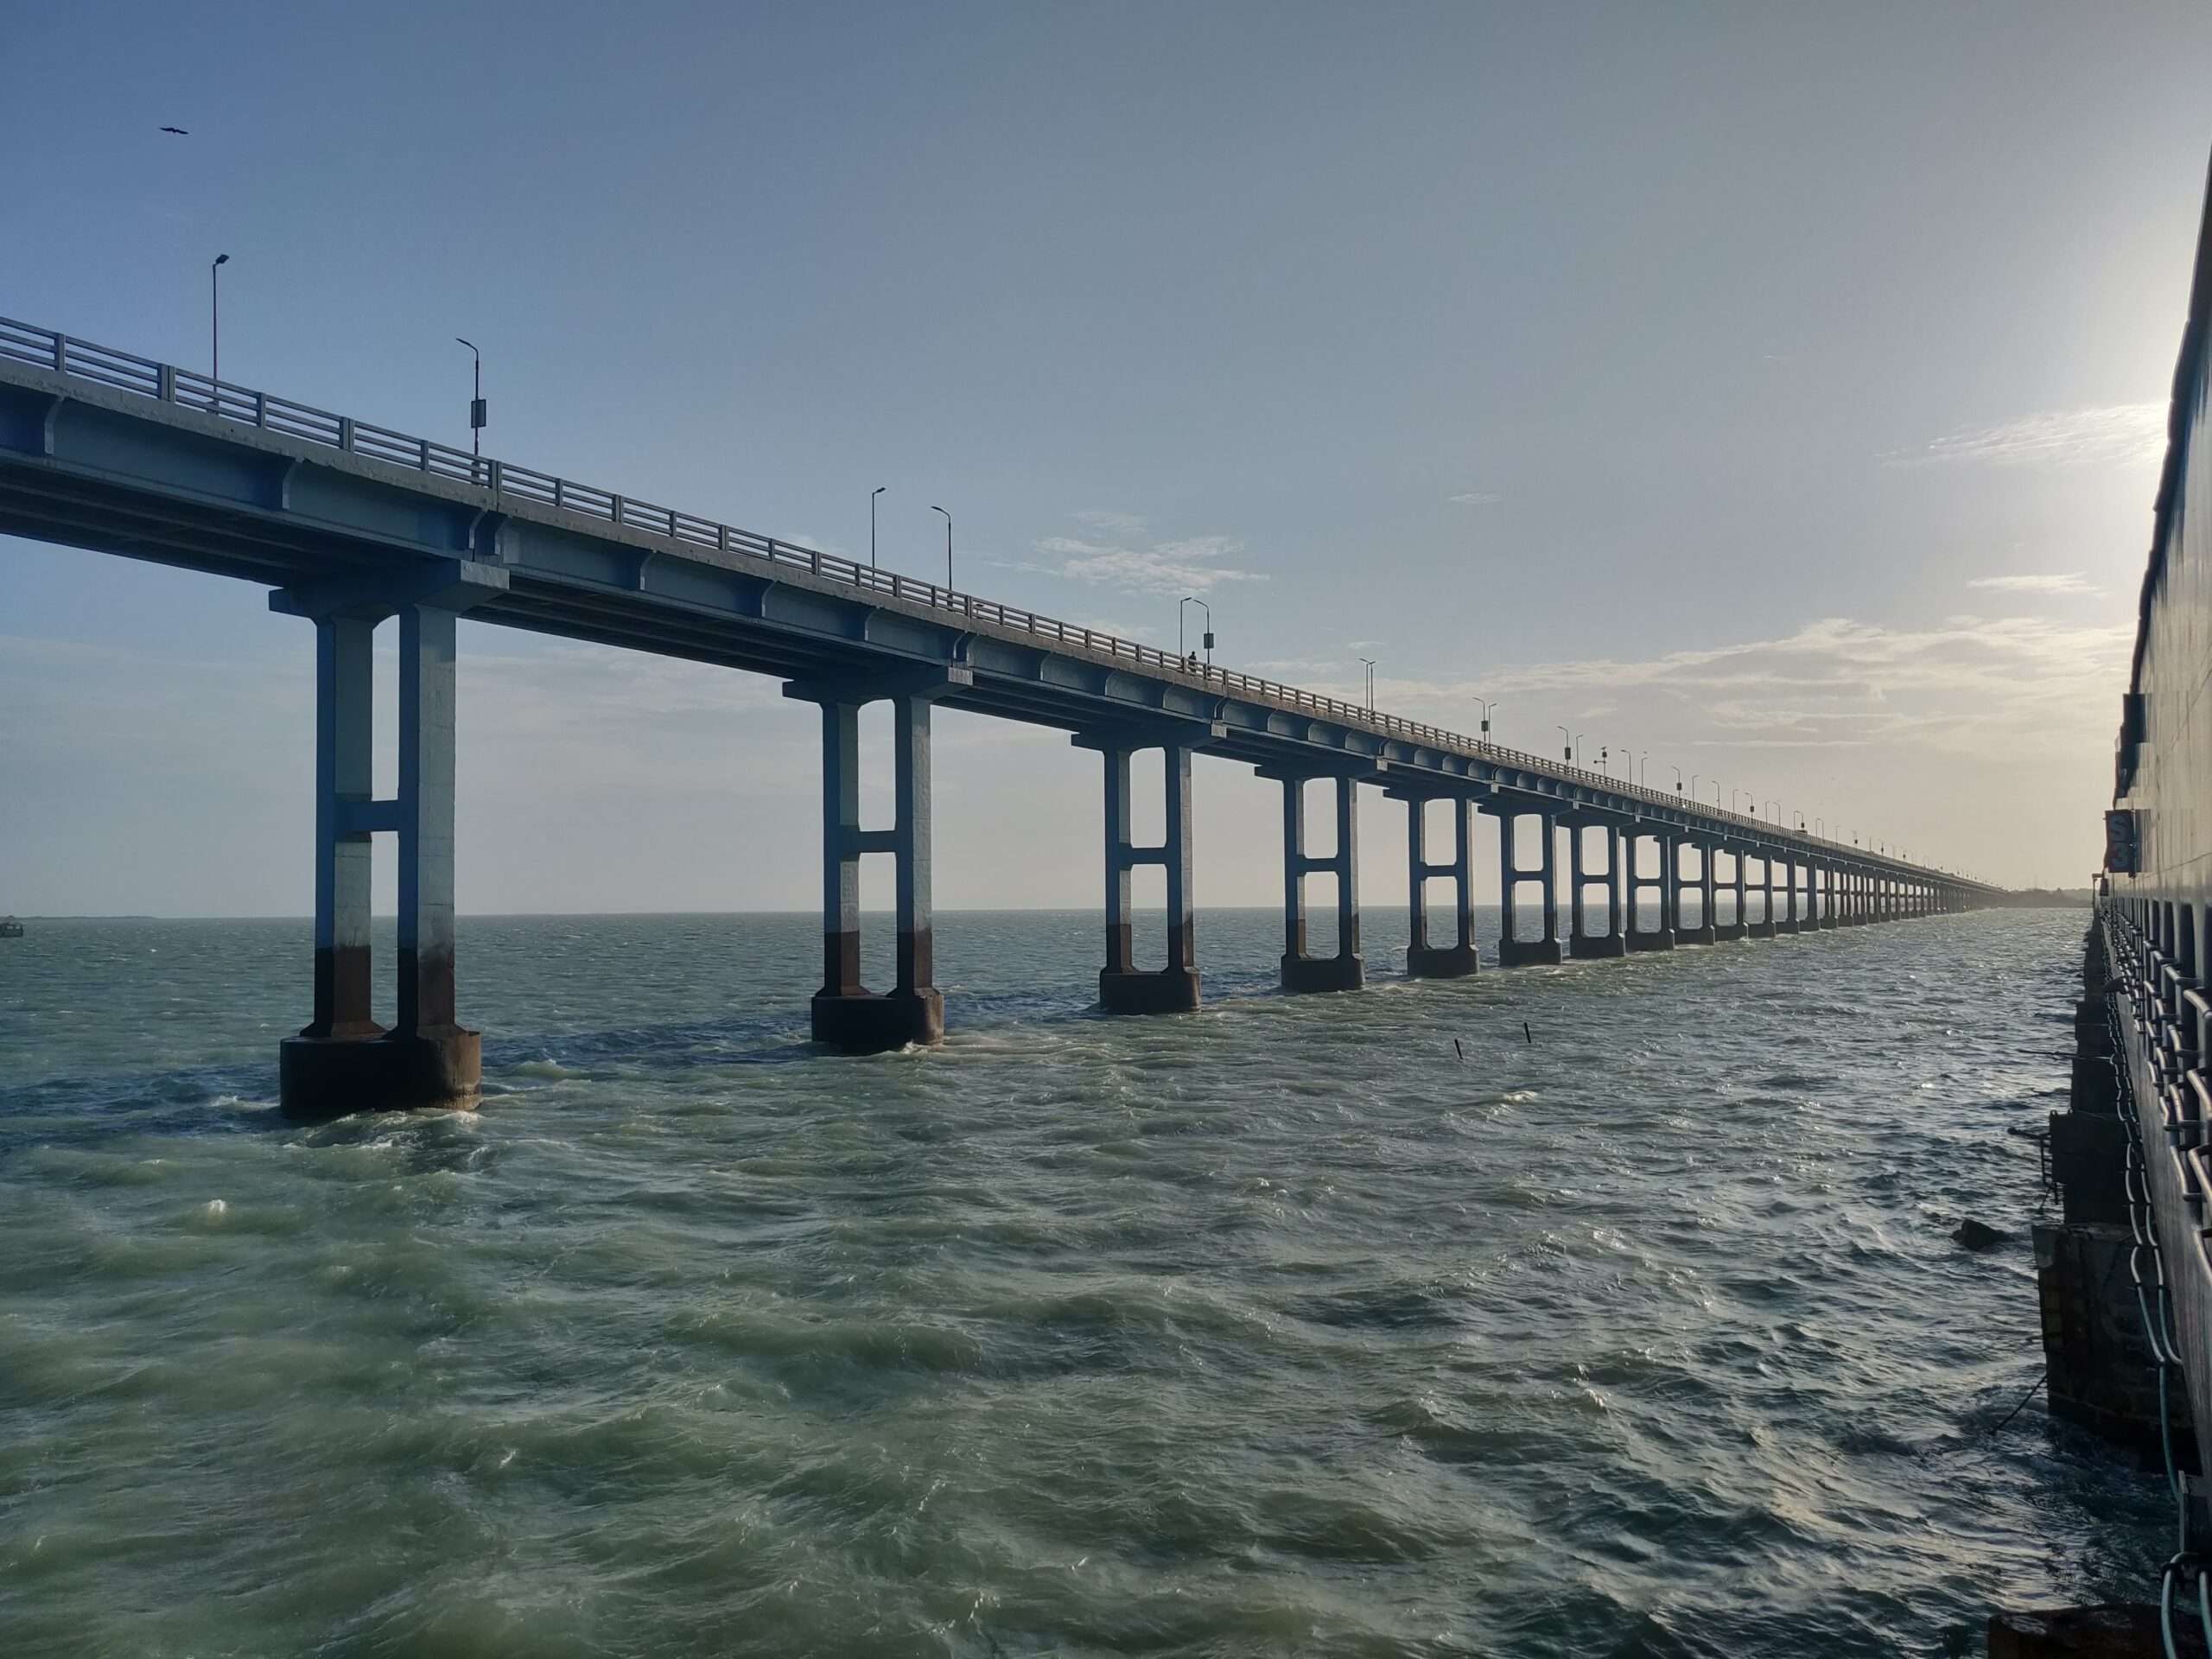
[
  {"x": 1123, "y": 988},
  {"x": 1345, "y": 971},
  {"x": 845, "y": 1014},
  {"x": 342, "y": 1061},
  {"x": 1459, "y": 958},
  {"x": 1736, "y": 927},
  {"x": 1704, "y": 932},
  {"x": 1514, "y": 951},
  {"x": 1764, "y": 927},
  {"x": 1581, "y": 943},
  {"x": 1634, "y": 934},
  {"x": 1826, "y": 877},
  {"x": 1787, "y": 922}
]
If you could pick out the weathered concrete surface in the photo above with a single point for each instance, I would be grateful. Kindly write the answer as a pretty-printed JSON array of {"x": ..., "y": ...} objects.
[
  {"x": 1529, "y": 953},
  {"x": 1657, "y": 939},
  {"x": 864, "y": 1024},
  {"x": 1169, "y": 990},
  {"x": 1338, "y": 973},
  {"x": 1442, "y": 961},
  {"x": 322, "y": 1077},
  {"x": 1595, "y": 946}
]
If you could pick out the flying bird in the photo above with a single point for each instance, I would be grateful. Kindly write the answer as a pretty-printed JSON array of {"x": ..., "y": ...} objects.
[{"x": 181, "y": 132}]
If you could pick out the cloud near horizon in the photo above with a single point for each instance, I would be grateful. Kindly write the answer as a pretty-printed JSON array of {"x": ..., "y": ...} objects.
[{"x": 2121, "y": 433}]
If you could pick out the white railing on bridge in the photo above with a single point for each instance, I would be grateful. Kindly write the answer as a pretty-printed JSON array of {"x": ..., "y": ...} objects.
[{"x": 188, "y": 388}]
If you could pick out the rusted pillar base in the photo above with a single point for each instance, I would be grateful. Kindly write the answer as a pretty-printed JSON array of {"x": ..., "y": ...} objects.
[
  {"x": 860, "y": 1023},
  {"x": 1441, "y": 961},
  {"x": 322, "y": 1077},
  {"x": 1593, "y": 946},
  {"x": 1342, "y": 972},
  {"x": 1170, "y": 990}
]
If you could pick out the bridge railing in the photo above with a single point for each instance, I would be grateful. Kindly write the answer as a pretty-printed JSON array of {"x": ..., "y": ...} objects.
[{"x": 120, "y": 370}]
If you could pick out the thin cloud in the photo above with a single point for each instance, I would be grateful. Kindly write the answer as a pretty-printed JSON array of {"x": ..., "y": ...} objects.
[
  {"x": 1192, "y": 565},
  {"x": 2118, "y": 433},
  {"x": 2073, "y": 582},
  {"x": 1113, "y": 524},
  {"x": 1475, "y": 499}
]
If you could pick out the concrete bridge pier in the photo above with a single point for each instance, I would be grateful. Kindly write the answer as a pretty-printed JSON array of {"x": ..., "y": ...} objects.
[
  {"x": 1581, "y": 943},
  {"x": 1764, "y": 928},
  {"x": 1514, "y": 951},
  {"x": 845, "y": 1014},
  {"x": 1826, "y": 877},
  {"x": 1123, "y": 988},
  {"x": 1787, "y": 922},
  {"x": 1634, "y": 935},
  {"x": 1461, "y": 957},
  {"x": 1737, "y": 927},
  {"x": 1704, "y": 932},
  {"x": 342, "y": 1061},
  {"x": 1345, "y": 971}
]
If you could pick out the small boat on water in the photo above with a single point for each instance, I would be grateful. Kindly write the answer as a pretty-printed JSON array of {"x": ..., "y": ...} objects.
[{"x": 11, "y": 928}]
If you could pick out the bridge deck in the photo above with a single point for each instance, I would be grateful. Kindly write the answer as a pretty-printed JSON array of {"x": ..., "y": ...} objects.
[{"x": 105, "y": 450}]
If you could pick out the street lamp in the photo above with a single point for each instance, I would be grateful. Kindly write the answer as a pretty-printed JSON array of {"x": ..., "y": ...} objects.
[
  {"x": 1641, "y": 762},
  {"x": 1605, "y": 759},
  {"x": 948, "y": 547},
  {"x": 1716, "y": 794},
  {"x": 1678, "y": 780},
  {"x": 475, "y": 402},
  {"x": 872, "y": 494},
  {"x": 1370, "y": 661},
  {"x": 1487, "y": 707},
  {"x": 1693, "y": 783},
  {"x": 1578, "y": 749},
  {"x": 1192, "y": 599},
  {"x": 1570, "y": 741},
  {"x": 215, "y": 329}
]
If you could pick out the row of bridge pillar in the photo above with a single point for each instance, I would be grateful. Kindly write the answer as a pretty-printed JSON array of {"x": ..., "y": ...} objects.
[{"x": 343, "y": 1061}]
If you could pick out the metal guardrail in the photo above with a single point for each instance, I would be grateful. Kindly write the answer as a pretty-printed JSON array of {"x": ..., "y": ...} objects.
[{"x": 103, "y": 365}]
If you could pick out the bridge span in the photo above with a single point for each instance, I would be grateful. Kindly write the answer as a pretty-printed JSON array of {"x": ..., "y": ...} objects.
[{"x": 353, "y": 524}]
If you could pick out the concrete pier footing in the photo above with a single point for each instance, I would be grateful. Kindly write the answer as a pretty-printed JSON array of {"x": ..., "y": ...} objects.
[
  {"x": 1704, "y": 934},
  {"x": 1442, "y": 961},
  {"x": 1591, "y": 947},
  {"x": 865, "y": 1022},
  {"x": 1529, "y": 953},
  {"x": 323, "y": 1078},
  {"x": 1302, "y": 974},
  {"x": 1763, "y": 930},
  {"x": 1729, "y": 933},
  {"x": 1165, "y": 990},
  {"x": 1658, "y": 938}
]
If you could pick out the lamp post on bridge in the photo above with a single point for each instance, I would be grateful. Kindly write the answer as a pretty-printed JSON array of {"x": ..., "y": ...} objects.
[
  {"x": 1190, "y": 600},
  {"x": 1486, "y": 708},
  {"x": 1569, "y": 737},
  {"x": 475, "y": 402},
  {"x": 1678, "y": 779},
  {"x": 215, "y": 330},
  {"x": 1578, "y": 749},
  {"x": 948, "y": 547},
  {"x": 872, "y": 494},
  {"x": 1370, "y": 661},
  {"x": 1642, "y": 761}
]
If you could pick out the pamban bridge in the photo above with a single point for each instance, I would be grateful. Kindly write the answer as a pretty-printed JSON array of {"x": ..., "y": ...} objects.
[{"x": 353, "y": 524}]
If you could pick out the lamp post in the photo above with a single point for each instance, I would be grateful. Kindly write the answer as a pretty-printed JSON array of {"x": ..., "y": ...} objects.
[
  {"x": 1643, "y": 762},
  {"x": 1678, "y": 780},
  {"x": 1569, "y": 737},
  {"x": 1716, "y": 794},
  {"x": 1207, "y": 641},
  {"x": 948, "y": 547},
  {"x": 1578, "y": 749},
  {"x": 1370, "y": 661},
  {"x": 1694, "y": 778},
  {"x": 1605, "y": 759},
  {"x": 1486, "y": 708},
  {"x": 872, "y": 494},
  {"x": 215, "y": 330},
  {"x": 475, "y": 401}
]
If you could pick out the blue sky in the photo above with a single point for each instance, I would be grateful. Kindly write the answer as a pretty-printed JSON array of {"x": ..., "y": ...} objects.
[{"x": 1776, "y": 390}]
